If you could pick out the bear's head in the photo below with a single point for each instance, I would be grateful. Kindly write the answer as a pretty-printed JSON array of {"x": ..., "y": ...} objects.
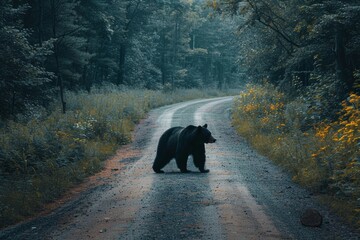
[{"x": 206, "y": 134}]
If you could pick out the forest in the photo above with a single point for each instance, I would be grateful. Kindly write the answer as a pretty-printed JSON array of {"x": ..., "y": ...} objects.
[
  {"x": 65, "y": 65},
  {"x": 75, "y": 45}
]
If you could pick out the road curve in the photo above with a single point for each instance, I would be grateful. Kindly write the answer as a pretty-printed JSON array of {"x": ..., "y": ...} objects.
[{"x": 243, "y": 197}]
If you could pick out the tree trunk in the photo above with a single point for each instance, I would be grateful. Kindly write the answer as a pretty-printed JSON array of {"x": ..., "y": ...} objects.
[
  {"x": 60, "y": 81},
  {"x": 207, "y": 69},
  {"x": 85, "y": 79},
  {"x": 220, "y": 74},
  {"x": 121, "y": 72},
  {"x": 40, "y": 26},
  {"x": 340, "y": 56},
  {"x": 56, "y": 55},
  {"x": 162, "y": 64},
  {"x": 13, "y": 104},
  {"x": 63, "y": 103},
  {"x": 174, "y": 50}
]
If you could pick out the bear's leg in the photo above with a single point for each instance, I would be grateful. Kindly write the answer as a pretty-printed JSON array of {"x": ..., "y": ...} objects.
[
  {"x": 157, "y": 166},
  {"x": 160, "y": 162},
  {"x": 181, "y": 162},
  {"x": 199, "y": 159}
]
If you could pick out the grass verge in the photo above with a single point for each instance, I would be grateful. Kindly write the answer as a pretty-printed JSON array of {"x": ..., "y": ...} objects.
[{"x": 323, "y": 155}]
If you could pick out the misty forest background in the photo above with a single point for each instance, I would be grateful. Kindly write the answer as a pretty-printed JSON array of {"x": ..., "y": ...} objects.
[
  {"x": 75, "y": 45},
  {"x": 76, "y": 76}
]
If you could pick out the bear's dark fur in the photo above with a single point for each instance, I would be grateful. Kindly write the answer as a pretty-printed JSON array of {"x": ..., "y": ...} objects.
[{"x": 179, "y": 143}]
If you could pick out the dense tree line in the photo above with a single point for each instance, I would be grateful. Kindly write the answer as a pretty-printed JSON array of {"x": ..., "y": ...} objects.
[
  {"x": 50, "y": 46},
  {"x": 308, "y": 48}
]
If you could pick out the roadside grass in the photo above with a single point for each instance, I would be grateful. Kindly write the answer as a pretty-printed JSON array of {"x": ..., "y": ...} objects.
[
  {"x": 323, "y": 156},
  {"x": 45, "y": 153}
]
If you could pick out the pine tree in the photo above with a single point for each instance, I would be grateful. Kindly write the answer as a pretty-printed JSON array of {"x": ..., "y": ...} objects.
[{"x": 23, "y": 80}]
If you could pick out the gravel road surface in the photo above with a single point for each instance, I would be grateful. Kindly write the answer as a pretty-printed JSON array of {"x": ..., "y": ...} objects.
[{"x": 243, "y": 197}]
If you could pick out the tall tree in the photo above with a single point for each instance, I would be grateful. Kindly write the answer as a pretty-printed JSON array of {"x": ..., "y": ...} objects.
[
  {"x": 304, "y": 33},
  {"x": 99, "y": 25},
  {"x": 60, "y": 20},
  {"x": 23, "y": 80}
]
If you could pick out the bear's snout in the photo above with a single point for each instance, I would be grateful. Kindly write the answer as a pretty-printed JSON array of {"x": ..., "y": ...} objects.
[{"x": 212, "y": 139}]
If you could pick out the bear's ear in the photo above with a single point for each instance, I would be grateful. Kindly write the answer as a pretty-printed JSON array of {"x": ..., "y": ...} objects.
[{"x": 205, "y": 126}]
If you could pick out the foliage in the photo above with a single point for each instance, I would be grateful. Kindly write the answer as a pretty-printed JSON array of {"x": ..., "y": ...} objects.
[
  {"x": 22, "y": 77},
  {"x": 339, "y": 149},
  {"x": 294, "y": 44},
  {"x": 263, "y": 104},
  {"x": 324, "y": 157}
]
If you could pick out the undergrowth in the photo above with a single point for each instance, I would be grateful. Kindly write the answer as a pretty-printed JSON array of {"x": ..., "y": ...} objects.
[
  {"x": 44, "y": 153},
  {"x": 323, "y": 155}
]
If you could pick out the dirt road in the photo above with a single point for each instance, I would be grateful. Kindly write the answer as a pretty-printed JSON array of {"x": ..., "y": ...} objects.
[{"x": 243, "y": 197}]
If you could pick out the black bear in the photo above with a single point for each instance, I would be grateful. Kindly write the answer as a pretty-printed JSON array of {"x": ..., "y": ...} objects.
[{"x": 179, "y": 143}]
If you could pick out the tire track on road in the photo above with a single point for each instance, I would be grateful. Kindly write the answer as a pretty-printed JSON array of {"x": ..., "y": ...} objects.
[
  {"x": 241, "y": 216},
  {"x": 178, "y": 204}
]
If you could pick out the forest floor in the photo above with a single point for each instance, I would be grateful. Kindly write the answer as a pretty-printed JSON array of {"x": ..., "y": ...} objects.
[{"x": 243, "y": 197}]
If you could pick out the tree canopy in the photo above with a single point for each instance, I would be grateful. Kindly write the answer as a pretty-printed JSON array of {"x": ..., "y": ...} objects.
[
  {"x": 74, "y": 45},
  {"x": 49, "y": 47}
]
